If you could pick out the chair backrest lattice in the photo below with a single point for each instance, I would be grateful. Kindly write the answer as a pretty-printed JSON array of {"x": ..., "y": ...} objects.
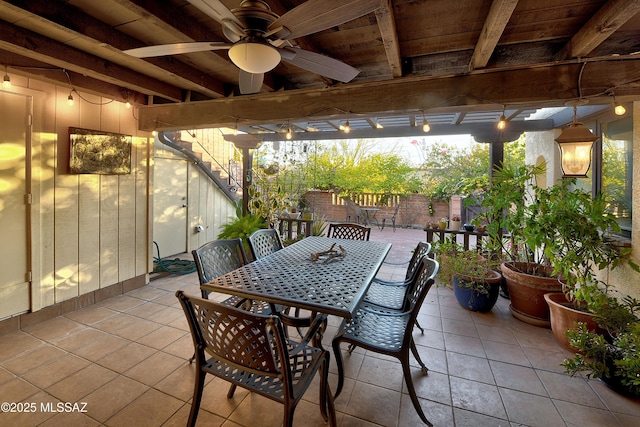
[
  {"x": 217, "y": 258},
  {"x": 264, "y": 242},
  {"x": 349, "y": 231},
  {"x": 238, "y": 338},
  {"x": 418, "y": 289},
  {"x": 422, "y": 249}
]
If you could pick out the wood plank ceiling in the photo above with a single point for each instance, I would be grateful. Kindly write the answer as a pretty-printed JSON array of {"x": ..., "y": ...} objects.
[{"x": 459, "y": 64}]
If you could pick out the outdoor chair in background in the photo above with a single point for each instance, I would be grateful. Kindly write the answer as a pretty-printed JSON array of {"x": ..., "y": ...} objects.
[
  {"x": 353, "y": 210},
  {"x": 252, "y": 351},
  {"x": 392, "y": 295},
  {"x": 392, "y": 218},
  {"x": 389, "y": 332},
  {"x": 264, "y": 242},
  {"x": 349, "y": 231}
]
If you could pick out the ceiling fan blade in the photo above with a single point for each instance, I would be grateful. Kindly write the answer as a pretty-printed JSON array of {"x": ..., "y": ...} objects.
[
  {"x": 216, "y": 10},
  {"x": 317, "y": 15},
  {"x": 175, "y": 49},
  {"x": 319, "y": 64},
  {"x": 250, "y": 83}
]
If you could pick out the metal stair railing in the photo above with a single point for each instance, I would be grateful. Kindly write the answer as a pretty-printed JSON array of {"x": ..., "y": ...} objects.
[{"x": 232, "y": 187}]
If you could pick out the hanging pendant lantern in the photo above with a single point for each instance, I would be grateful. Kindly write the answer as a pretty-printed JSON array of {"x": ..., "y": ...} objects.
[{"x": 575, "y": 142}]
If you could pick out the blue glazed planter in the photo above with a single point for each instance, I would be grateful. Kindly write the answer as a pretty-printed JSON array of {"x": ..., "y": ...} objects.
[{"x": 473, "y": 300}]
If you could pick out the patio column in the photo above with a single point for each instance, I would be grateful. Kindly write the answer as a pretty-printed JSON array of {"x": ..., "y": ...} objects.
[
  {"x": 247, "y": 148},
  {"x": 496, "y": 157}
]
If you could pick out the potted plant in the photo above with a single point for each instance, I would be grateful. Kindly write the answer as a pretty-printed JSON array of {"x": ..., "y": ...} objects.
[
  {"x": 442, "y": 224},
  {"x": 319, "y": 227},
  {"x": 454, "y": 224},
  {"x": 578, "y": 253},
  {"x": 445, "y": 251},
  {"x": 472, "y": 276},
  {"x": 512, "y": 207},
  {"x": 242, "y": 226},
  {"x": 476, "y": 285},
  {"x": 612, "y": 356},
  {"x": 555, "y": 232}
]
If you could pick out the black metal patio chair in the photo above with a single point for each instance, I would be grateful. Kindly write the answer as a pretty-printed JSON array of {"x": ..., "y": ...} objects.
[
  {"x": 389, "y": 332},
  {"x": 393, "y": 294},
  {"x": 391, "y": 217},
  {"x": 217, "y": 258},
  {"x": 252, "y": 351},
  {"x": 349, "y": 231},
  {"x": 264, "y": 242}
]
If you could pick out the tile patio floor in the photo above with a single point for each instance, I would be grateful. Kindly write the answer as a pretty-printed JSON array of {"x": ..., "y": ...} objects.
[{"x": 126, "y": 358}]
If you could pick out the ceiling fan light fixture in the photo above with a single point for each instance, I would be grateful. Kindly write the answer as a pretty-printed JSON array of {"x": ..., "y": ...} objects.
[{"x": 254, "y": 57}]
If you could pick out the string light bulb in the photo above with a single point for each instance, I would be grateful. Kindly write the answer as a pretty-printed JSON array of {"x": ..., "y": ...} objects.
[
  {"x": 502, "y": 123},
  {"x": 346, "y": 128},
  {"x": 6, "y": 82},
  {"x": 426, "y": 127},
  {"x": 235, "y": 129},
  {"x": 618, "y": 108},
  {"x": 70, "y": 100},
  {"x": 127, "y": 104},
  {"x": 289, "y": 133}
]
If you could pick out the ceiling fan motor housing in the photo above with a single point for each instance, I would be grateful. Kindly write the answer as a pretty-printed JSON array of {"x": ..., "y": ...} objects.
[{"x": 255, "y": 16}]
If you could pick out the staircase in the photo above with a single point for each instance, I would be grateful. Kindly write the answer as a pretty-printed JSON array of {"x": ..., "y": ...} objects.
[{"x": 212, "y": 154}]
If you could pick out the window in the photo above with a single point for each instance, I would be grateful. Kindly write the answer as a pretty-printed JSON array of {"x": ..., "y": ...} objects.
[{"x": 617, "y": 168}]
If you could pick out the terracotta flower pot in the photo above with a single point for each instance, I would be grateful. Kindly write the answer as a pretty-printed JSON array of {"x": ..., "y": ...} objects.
[
  {"x": 564, "y": 317},
  {"x": 527, "y": 291}
]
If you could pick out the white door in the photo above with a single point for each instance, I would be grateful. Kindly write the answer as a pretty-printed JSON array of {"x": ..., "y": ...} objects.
[
  {"x": 14, "y": 167},
  {"x": 170, "y": 206}
]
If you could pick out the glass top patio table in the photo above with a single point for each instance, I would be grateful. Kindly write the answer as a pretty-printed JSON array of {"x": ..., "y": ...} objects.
[{"x": 290, "y": 277}]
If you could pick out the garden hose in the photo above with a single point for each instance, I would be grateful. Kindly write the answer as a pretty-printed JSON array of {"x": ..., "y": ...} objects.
[{"x": 175, "y": 266}]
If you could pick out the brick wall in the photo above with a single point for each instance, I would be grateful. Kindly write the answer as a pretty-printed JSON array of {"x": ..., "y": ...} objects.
[{"x": 413, "y": 211}]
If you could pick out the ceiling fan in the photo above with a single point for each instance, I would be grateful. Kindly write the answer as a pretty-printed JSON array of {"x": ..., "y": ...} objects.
[{"x": 260, "y": 38}]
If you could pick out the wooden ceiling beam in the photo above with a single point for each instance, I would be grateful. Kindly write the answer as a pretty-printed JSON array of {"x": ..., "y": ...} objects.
[
  {"x": 387, "y": 26},
  {"x": 59, "y": 16},
  {"x": 21, "y": 65},
  {"x": 605, "y": 22},
  {"x": 31, "y": 45},
  {"x": 550, "y": 85},
  {"x": 497, "y": 19}
]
